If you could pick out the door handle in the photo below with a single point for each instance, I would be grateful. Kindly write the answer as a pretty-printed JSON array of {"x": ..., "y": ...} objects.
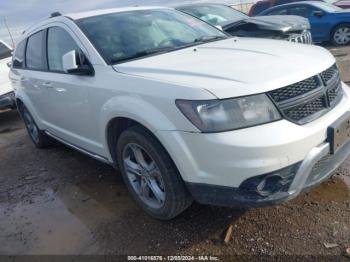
[{"x": 47, "y": 84}]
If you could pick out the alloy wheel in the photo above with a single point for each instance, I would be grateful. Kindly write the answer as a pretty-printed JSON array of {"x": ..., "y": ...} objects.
[
  {"x": 342, "y": 35},
  {"x": 144, "y": 175},
  {"x": 31, "y": 126}
]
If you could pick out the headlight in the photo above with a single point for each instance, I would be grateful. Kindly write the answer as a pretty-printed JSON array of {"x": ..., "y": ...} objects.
[{"x": 228, "y": 114}]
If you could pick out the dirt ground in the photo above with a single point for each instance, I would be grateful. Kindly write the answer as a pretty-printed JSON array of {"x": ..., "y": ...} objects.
[{"x": 58, "y": 201}]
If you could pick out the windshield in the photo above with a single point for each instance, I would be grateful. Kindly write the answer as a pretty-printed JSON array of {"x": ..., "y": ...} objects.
[
  {"x": 5, "y": 52},
  {"x": 214, "y": 14},
  {"x": 327, "y": 7},
  {"x": 129, "y": 35}
]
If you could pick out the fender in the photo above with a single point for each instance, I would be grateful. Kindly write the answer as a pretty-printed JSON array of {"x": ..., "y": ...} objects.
[{"x": 130, "y": 107}]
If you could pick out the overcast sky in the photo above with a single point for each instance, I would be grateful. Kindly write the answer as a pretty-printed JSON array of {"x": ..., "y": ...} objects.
[{"x": 22, "y": 13}]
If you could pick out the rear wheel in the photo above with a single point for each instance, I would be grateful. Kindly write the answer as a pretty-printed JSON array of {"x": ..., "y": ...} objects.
[
  {"x": 341, "y": 35},
  {"x": 150, "y": 174},
  {"x": 38, "y": 137}
]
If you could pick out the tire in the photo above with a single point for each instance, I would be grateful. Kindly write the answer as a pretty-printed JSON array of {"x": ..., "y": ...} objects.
[
  {"x": 167, "y": 195},
  {"x": 341, "y": 35},
  {"x": 38, "y": 137}
]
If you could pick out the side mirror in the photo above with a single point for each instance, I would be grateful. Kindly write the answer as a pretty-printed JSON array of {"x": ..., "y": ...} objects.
[
  {"x": 9, "y": 64},
  {"x": 318, "y": 13},
  {"x": 76, "y": 63}
]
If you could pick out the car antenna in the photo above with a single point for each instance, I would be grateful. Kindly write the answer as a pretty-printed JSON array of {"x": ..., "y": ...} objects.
[{"x": 8, "y": 30}]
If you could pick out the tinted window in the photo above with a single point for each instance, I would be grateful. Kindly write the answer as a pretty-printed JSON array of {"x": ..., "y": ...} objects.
[
  {"x": 59, "y": 42},
  {"x": 282, "y": 2},
  {"x": 18, "y": 57},
  {"x": 260, "y": 6},
  {"x": 129, "y": 35},
  {"x": 5, "y": 52},
  {"x": 34, "y": 53},
  {"x": 304, "y": 11},
  {"x": 279, "y": 12}
]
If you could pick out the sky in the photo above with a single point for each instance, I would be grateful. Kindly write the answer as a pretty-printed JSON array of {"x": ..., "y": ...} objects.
[{"x": 21, "y": 14}]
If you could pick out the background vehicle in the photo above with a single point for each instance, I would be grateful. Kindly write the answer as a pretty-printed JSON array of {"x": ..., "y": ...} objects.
[
  {"x": 344, "y": 4},
  {"x": 328, "y": 22},
  {"x": 6, "y": 91},
  {"x": 183, "y": 110},
  {"x": 239, "y": 24},
  {"x": 263, "y": 5}
]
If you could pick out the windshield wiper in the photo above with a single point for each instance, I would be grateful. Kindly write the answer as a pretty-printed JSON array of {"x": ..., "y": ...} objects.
[
  {"x": 208, "y": 38},
  {"x": 161, "y": 50},
  {"x": 147, "y": 52}
]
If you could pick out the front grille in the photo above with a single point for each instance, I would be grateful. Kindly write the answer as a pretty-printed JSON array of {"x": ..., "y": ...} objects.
[
  {"x": 309, "y": 99},
  {"x": 328, "y": 74},
  {"x": 305, "y": 110},
  {"x": 295, "y": 90},
  {"x": 304, "y": 38}
]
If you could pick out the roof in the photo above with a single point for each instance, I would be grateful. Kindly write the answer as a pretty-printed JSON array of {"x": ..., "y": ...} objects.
[
  {"x": 298, "y": 3},
  {"x": 76, "y": 16}
]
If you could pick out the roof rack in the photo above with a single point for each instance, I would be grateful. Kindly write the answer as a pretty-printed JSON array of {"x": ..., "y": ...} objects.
[{"x": 55, "y": 14}]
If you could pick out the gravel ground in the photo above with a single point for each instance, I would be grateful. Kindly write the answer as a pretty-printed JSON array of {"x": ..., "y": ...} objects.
[{"x": 60, "y": 202}]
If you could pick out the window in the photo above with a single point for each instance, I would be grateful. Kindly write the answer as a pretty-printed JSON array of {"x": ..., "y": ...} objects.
[
  {"x": 5, "y": 52},
  {"x": 303, "y": 11},
  {"x": 59, "y": 42},
  {"x": 129, "y": 35},
  {"x": 18, "y": 58},
  {"x": 260, "y": 6},
  {"x": 279, "y": 12},
  {"x": 214, "y": 14},
  {"x": 34, "y": 54}
]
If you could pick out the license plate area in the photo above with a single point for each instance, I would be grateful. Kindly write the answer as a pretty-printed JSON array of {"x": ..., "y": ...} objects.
[{"x": 339, "y": 133}]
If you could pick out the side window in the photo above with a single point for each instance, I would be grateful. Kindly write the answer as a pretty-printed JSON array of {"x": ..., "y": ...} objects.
[
  {"x": 34, "y": 55},
  {"x": 279, "y": 12},
  {"x": 18, "y": 57},
  {"x": 59, "y": 42},
  {"x": 303, "y": 11},
  {"x": 260, "y": 6}
]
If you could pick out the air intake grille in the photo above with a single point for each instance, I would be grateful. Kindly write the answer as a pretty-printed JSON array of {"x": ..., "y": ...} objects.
[
  {"x": 309, "y": 99},
  {"x": 328, "y": 74},
  {"x": 295, "y": 90}
]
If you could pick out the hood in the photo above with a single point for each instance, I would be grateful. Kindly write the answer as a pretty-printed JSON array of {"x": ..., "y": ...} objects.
[
  {"x": 234, "y": 67},
  {"x": 5, "y": 86},
  {"x": 282, "y": 23}
]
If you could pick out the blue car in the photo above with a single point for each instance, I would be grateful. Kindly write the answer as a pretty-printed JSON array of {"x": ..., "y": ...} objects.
[{"x": 328, "y": 22}]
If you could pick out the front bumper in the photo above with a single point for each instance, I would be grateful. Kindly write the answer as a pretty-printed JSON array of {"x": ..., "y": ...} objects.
[
  {"x": 215, "y": 166},
  {"x": 317, "y": 167},
  {"x": 7, "y": 101}
]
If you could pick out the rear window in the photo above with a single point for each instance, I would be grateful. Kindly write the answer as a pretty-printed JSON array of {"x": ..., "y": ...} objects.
[
  {"x": 34, "y": 54},
  {"x": 5, "y": 52},
  {"x": 18, "y": 57}
]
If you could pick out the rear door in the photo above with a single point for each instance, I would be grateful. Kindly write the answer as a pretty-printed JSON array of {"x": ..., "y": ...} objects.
[{"x": 32, "y": 74}]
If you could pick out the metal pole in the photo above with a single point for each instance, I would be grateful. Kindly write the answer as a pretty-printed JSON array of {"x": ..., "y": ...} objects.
[{"x": 8, "y": 29}]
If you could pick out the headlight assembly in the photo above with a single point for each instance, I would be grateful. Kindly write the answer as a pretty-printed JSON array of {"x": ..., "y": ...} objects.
[{"x": 222, "y": 115}]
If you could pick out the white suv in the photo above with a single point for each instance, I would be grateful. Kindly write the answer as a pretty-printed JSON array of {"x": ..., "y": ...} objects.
[
  {"x": 183, "y": 110},
  {"x": 7, "y": 97}
]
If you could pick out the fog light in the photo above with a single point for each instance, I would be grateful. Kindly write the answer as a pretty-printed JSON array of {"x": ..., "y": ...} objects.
[{"x": 269, "y": 185}]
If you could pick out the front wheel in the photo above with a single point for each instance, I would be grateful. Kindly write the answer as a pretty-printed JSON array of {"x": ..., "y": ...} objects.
[
  {"x": 341, "y": 35},
  {"x": 150, "y": 174}
]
